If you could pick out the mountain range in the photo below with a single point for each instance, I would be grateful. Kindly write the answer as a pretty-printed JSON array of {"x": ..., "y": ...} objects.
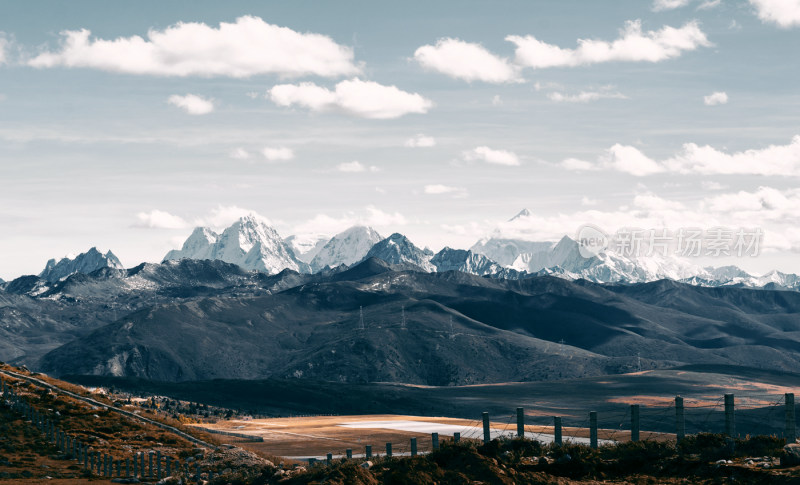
[
  {"x": 252, "y": 244},
  {"x": 374, "y": 321},
  {"x": 398, "y": 314}
]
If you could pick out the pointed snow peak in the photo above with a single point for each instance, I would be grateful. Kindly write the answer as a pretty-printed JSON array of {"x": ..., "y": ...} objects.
[
  {"x": 86, "y": 263},
  {"x": 397, "y": 249},
  {"x": 347, "y": 247},
  {"x": 521, "y": 214},
  {"x": 249, "y": 242}
]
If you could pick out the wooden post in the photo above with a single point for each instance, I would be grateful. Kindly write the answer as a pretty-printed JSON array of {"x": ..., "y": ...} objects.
[
  {"x": 456, "y": 437},
  {"x": 593, "y": 429},
  {"x": 349, "y": 454},
  {"x": 634, "y": 422},
  {"x": 557, "y": 436},
  {"x": 520, "y": 423},
  {"x": 150, "y": 462},
  {"x": 329, "y": 458},
  {"x": 413, "y": 447},
  {"x": 169, "y": 466},
  {"x": 730, "y": 421},
  {"x": 680, "y": 419},
  {"x": 435, "y": 441},
  {"x": 388, "y": 450},
  {"x": 368, "y": 452},
  {"x": 487, "y": 433},
  {"x": 791, "y": 427},
  {"x": 127, "y": 467},
  {"x": 158, "y": 465}
]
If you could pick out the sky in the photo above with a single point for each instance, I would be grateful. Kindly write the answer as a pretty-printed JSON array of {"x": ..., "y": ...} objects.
[{"x": 123, "y": 125}]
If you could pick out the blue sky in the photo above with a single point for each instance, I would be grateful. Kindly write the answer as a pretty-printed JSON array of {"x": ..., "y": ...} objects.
[{"x": 307, "y": 113}]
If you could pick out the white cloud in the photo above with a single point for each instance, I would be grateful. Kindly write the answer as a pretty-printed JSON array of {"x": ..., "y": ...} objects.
[
  {"x": 716, "y": 98},
  {"x": 467, "y": 61},
  {"x": 439, "y": 189},
  {"x": 709, "y": 4},
  {"x": 421, "y": 141},
  {"x": 781, "y": 160},
  {"x": 329, "y": 225},
  {"x": 192, "y": 104},
  {"x": 365, "y": 99},
  {"x": 584, "y": 96},
  {"x": 784, "y": 13},
  {"x": 157, "y": 219},
  {"x": 241, "y": 49},
  {"x": 588, "y": 201},
  {"x": 356, "y": 167},
  {"x": 661, "y": 5},
  {"x": 223, "y": 216},
  {"x": 497, "y": 100},
  {"x": 277, "y": 154},
  {"x": 711, "y": 185},
  {"x": 489, "y": 155},
  {"x": 3, "y": 49},
  {"x": 634, "y": 45},
  {"x": 578, "y": 165},
  {"x": 774, "y": 160},
  {"x": 239, "y": 154}
]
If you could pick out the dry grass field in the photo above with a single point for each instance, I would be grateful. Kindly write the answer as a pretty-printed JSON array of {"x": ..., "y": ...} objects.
[{"x": 315, "y": 437}]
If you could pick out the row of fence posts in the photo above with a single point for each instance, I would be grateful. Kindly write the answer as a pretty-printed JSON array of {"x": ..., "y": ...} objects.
[
  {"x": 94, "y": 462},
  {"x": 790, "y": 432}
]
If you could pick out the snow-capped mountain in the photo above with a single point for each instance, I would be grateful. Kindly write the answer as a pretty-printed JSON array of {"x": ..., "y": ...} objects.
[
  {"x": 397, "y": 249},
  {"x": 249, "y": 242},
  {"x": 347, "y": 247},
  {"x": 87, "y": 262},
  {"x": 306, "y": 247},
  {"x": 564, "y": 259},
  {"x": 506, "y": 251},
  {"x": 466, "y": 261}
]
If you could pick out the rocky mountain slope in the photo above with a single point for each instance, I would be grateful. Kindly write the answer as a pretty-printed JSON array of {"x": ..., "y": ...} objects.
[
  {"x": 87, "y": 262},
  {"x": 249, "y": 242},
  {"x": 346, "y": 248},
  {"x": 440, "y": 329}
]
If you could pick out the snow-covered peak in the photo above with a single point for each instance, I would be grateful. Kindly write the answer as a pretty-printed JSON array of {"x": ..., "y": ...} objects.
[
  {"x": 347, "y": 247},
  {"x": 307, "y": 246},
  {"x": 87, "y": 262},
  {"x": 521, "y": 214},
  {"x": 249, "y": 242},
  {"x": 397, "y": 249}
]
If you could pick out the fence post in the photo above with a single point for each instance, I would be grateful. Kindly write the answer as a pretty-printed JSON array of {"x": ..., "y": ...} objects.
[
  {"x": 487, "y": 434},
  {"x": 456, "y": 437},
  {"x": 413, "y": 447},
  {"x": 127, "y": 467},
  {"x": 328, "y": 459},
  {"x": 557, "y": 437},
  {"x": 791, "y": 427},
  {"x": 520, "y": 422},
  {"x": 369, "y": 452},
  {"x": 593, "y": 429},
  {"x": 680, "y": 419},
  {"x": 435, "y": 441},
  {"x": 150, "y": 462},
  {"x": 158, "y": 465},
  {"x": 349, "y": 454},
  {"x": 730, "y": 422},
  {"x": 634, "y": 422},
  {"x": 388, "y": 450}
]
